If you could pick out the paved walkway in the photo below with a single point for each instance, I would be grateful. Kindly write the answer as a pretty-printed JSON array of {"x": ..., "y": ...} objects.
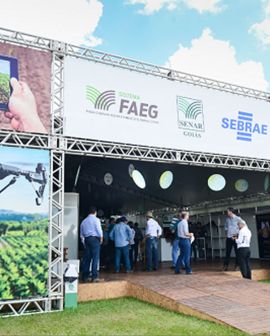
[{"x": 243, "y": 304}]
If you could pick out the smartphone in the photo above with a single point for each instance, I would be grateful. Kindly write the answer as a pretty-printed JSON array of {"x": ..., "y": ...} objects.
[{"x": 8, "y": 69}]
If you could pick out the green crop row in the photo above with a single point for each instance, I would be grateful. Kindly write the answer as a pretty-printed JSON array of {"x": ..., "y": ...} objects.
[{"x": 24, "y": 266}]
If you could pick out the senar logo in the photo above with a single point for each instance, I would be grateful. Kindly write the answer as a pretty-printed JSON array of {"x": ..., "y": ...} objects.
[
  {"x": 190, "y": 114},
  {"x": 244, "y": 126},
  {"x": 100, "y": 100}
]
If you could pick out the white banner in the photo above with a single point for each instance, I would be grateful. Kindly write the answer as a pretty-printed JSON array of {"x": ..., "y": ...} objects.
[{"x": 112, "y": 104}]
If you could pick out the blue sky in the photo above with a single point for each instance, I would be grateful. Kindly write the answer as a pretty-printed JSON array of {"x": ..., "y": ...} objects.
[{"x": 224, "y": 39}]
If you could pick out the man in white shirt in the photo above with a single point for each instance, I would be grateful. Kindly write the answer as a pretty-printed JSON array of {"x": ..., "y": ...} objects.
[
  {"x": 243, "y": 248},
  {"x": 152, "y": 233}
]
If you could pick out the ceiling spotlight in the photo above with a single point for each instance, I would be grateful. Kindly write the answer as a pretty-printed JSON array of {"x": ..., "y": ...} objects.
[
  {"x": 241, "y": 185},
  {"x": 216, "y": 182},
  {"x": 138, "y": 179},
  {"x": 166, "y": 179}
]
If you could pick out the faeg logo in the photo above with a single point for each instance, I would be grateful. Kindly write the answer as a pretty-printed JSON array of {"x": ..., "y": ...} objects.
[
  {"x": 190, "y": 114},
  {"x": 244, "y": 126},
  {"x": 101, "y": 100},
  {"x": 124, "y": 105}
]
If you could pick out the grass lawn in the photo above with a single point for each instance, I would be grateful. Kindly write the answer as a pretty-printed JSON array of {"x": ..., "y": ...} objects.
[
  {"x": 265, "y": 281},
  {"x": 112, "y": 317}
]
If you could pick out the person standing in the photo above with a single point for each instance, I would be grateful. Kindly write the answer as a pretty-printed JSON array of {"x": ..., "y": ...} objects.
[
  {"x": 243, "y": 248},
  {"x": 132, "y": 245},
  {"x": 137, "y": 239},
  {"x": 175, "y": 242},
  {"x": 152, "y": 233},
  {"x": 121, "y": 234},
  {"x": 92, "y": 237},
  {"x": 110, "y": 248},
  {"x": 231, "y": 229},
  {"x": 184, "y": 244}
]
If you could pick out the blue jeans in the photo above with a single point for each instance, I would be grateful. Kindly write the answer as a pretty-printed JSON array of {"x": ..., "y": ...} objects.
[
  {"x": 131, "y": 255},
  {"x": 151, "y": 253},
  {"x": 175, "y": 251},
  {"x": 124, "y": 250},
  {"x": 91, "y": 253},
  {"x": 184, "y": 257}
]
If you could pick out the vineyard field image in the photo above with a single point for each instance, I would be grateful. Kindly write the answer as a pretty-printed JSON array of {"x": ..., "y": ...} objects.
[{"x": 23, "y": 257}]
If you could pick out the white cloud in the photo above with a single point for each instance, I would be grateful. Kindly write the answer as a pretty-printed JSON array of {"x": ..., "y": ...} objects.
[
  {"x": 262, "y": 29},
  {"x": 202, "y": 6},
  {"x": 213, "y": 58},
  {"x": 152, "y": 6},
  {"x": 72, "y": 21},
  {"x": 212, "y": 6}
]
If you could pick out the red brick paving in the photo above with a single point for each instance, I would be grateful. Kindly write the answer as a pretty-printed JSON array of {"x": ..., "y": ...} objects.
[{"x": 241, "y": 303}]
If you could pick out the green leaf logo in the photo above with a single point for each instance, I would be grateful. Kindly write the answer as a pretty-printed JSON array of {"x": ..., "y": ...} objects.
[
  {"x": 191, "y": 108},
  {"x": 100, "y": 100}
]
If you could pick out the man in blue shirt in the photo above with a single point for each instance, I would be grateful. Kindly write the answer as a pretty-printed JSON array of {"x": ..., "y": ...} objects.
[
  {"x": 92, "y": 237},
  {"x": 184, "y": 244},
  {"x": 231, "y": 230},
  {"x": 121, "y": 234}
]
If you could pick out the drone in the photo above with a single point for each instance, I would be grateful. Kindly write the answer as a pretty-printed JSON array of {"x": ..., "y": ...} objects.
[{"x": 39, "y": 176}]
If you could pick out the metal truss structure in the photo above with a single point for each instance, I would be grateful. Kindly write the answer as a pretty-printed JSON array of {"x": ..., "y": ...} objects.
[
  {"x": 54, "y": 299},
  {"x": 144, "y": 153},
  {"x": 59, "y": 145}
]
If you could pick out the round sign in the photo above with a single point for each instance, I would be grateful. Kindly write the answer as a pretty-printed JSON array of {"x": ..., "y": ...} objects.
[
  {"x": 131, "y": 168},
  {"x": 241, "y": 185},
  {"x": 138, "y": 179},
  {"x": 108, "y": 179},
  {"x": 216, "y": 182},
  {"x": 100, "y": 213},
  {"x": 166, "y": 179}
]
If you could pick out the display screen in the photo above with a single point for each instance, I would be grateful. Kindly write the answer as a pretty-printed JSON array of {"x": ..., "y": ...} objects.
[
  {"x": 4, "y": 81},
  {"x": 8, "y": 69}
]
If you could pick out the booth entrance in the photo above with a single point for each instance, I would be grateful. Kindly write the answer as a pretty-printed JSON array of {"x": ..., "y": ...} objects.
[
  {"x": 194, "y": 124},
  {"x": 108, "y": 184}
]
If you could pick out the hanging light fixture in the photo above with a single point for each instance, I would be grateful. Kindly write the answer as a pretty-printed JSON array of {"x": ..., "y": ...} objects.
[
  {"x": 138, "y": 179},
  {"x": 216, "y": 182},
  {"x": 166, "y": 179},
  {"x": 241, "y": 185}
]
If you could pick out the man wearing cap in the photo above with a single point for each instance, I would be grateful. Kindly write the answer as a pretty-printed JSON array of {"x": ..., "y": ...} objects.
[
  {"x": 121, "y": 234},
  {"x": 243, "y": 248},
  {"x": 152, "y": 233}
]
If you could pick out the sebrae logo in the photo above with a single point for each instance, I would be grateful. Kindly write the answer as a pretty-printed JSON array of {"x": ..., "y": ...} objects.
[
  {"x": 120, "y": 104},
  {"x": 101, "y": 100},
  {"x": 190, "y": 114},
  {"x": 244, "y": 126}
]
